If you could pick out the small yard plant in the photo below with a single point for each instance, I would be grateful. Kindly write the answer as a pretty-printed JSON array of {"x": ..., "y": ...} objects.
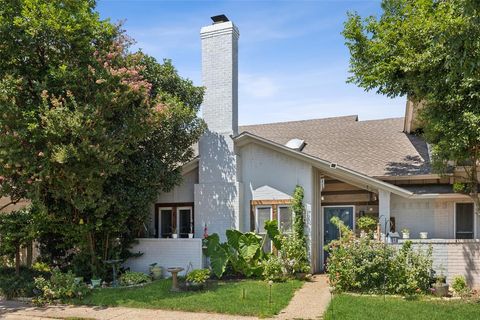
[
  {"x": 12, "y": 286},
  {"x": 199, "y": 276},
  {"x": 131, "y": 278},
  {"x": 60, "y": 287},
  {"x": 460, "y": 287}
]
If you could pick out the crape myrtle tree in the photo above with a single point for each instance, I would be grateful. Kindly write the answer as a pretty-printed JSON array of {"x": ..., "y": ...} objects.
[
  {"x": 427, "y": 50},
  {"x": 88, "y": 129}
]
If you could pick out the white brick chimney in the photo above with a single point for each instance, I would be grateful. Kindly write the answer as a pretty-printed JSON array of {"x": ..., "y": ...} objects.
[{"x": 218, "y": 193}]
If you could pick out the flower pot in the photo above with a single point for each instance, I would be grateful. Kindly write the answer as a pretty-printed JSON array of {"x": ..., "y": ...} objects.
[
  {"x": 423, "y": 235},
  {"x": 440, "y": 289},
  {"x": 190, "y": 235},
  {"x": 405, "y": 235},
  {"x": 174, "y": 236},
  {"x": 96, "y": 282},
  {"x": 78, "y": 280},
  {"x": 156, "y": 272}
]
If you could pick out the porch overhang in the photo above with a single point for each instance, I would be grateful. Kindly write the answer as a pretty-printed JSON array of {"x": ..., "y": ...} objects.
[{"x": 334, "y": 170}]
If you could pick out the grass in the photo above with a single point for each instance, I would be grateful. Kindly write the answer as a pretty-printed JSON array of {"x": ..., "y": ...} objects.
[
  {"x": 394, "y": 308},
  {"x": 225, "y": 297}
]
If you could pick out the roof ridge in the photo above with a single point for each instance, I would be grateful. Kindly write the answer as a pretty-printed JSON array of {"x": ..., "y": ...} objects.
[{"x": 299, "y": 121}]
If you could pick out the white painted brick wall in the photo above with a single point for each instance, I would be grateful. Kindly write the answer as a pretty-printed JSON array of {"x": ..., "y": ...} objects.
[
  {"x": 219, "y": 190},
  {"x": 167, "y": 253},
  {"x": 217, "y": 205},
  {"x": 454, "y": 257}
]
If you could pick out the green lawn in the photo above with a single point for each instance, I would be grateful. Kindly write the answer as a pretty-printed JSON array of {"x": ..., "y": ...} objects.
[
  {"x": 375, "y": 308},
  {"x": 226, "y": 297}
]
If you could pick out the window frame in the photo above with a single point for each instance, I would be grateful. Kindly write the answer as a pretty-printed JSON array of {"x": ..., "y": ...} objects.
[
  {"x": 175, "y": 207},
  {"x": 455, "y": 220}
]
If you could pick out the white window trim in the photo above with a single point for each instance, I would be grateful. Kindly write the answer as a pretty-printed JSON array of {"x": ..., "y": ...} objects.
[
  {"x": 257, "y": 229},
  {"x": 339, "y": 206},
  {"x": 455, "y": 220},
  {"x": 278, "y": 216}
]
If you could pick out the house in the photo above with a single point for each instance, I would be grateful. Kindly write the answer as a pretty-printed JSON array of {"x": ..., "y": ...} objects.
[{"x": 245, "y": 175}]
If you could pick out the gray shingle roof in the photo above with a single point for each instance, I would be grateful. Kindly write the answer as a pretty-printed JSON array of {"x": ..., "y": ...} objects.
[{"x": 373, "y": 147}]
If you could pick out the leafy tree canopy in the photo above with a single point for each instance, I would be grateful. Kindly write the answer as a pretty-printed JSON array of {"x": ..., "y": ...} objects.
[
  {"x": 429, "y": 51},
  {"x": 88, "y": 128}
]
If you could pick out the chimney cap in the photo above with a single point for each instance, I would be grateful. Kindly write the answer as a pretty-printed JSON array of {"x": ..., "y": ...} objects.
[{"x": 219, "y": 18}]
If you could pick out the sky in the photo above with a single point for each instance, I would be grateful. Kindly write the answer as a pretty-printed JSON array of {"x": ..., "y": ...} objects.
[{"x": 293, "y": 62}]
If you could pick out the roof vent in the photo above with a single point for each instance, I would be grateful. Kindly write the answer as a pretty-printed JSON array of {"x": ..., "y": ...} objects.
[
  {"x": 296, "y": 144},
  {"x": 219, "y": 19}
]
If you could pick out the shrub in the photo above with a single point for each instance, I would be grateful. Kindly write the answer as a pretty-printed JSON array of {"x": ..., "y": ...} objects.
[
  {"x": 12, "y": 286},
  {"x": 131, "y": 278},
  {"x": 459, "y": 286},
  {"x": 273, "y": 269},
  {"x": 294, "y": 254},
  {"x": 41, "y": 267},
  {"x": 60, "y": 286},
  {"x": 365, "y": 265},
  {"x": 242, "y": 252},
  {"x": 198, "y": 276}
]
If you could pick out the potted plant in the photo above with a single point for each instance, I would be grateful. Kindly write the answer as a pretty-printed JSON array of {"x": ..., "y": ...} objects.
[
  {"x": 197, "y": 278},
  {"x": 405, "y": 233},
  {"x": 440, "y": 287},
  {"x": 174, "y": 233},
  {"x": 96, "y": 281},
  {"x": 78, "y": 280},
  {"x": 366, "y": 225},
  {"x": 155, "y": 271}
]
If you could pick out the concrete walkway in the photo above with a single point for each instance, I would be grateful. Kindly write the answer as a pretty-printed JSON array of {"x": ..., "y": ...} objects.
[{"x": 310, "y": 302}]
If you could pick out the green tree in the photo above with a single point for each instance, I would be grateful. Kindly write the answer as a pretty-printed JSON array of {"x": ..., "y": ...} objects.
[
  {"x": 88, "y": 129},
  {"x": 428, "y": 51},
  {"x": 17, "y": 231}
]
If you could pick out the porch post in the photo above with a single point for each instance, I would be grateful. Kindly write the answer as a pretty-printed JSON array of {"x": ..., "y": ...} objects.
[{"x": 384, "y": 210}]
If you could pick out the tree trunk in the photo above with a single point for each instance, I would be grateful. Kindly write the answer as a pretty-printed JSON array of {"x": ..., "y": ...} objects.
[
  {"x": 93, "y": 258},
  {"x": 17, "y": 260},
  {"x": 29, "y": 254}
]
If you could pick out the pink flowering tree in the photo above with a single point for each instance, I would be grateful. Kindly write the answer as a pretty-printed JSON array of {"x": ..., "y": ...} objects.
[{"x": 90, "y": 131}]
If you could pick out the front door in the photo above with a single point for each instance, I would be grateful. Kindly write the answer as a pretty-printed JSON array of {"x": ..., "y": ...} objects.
[{"x": 330, "y": 231}]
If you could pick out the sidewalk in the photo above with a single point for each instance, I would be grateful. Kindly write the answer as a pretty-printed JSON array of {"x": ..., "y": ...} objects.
[{"x": 310, "y": 302}]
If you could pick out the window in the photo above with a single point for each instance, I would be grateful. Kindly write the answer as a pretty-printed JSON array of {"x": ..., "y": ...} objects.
[
  {"x": 263, "y": 214},
  {"x": 174, "y": 219},
  {"x": 285, "y": 219},
  {"x": 464, "y": 220},
  {"x": 185, "y": 222},
  {"x": 263, "y": 210},
  {"x": 166, "y": 222}
]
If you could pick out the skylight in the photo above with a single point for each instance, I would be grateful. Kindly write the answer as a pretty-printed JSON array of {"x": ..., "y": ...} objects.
[{"x": 296, "y": 144}]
